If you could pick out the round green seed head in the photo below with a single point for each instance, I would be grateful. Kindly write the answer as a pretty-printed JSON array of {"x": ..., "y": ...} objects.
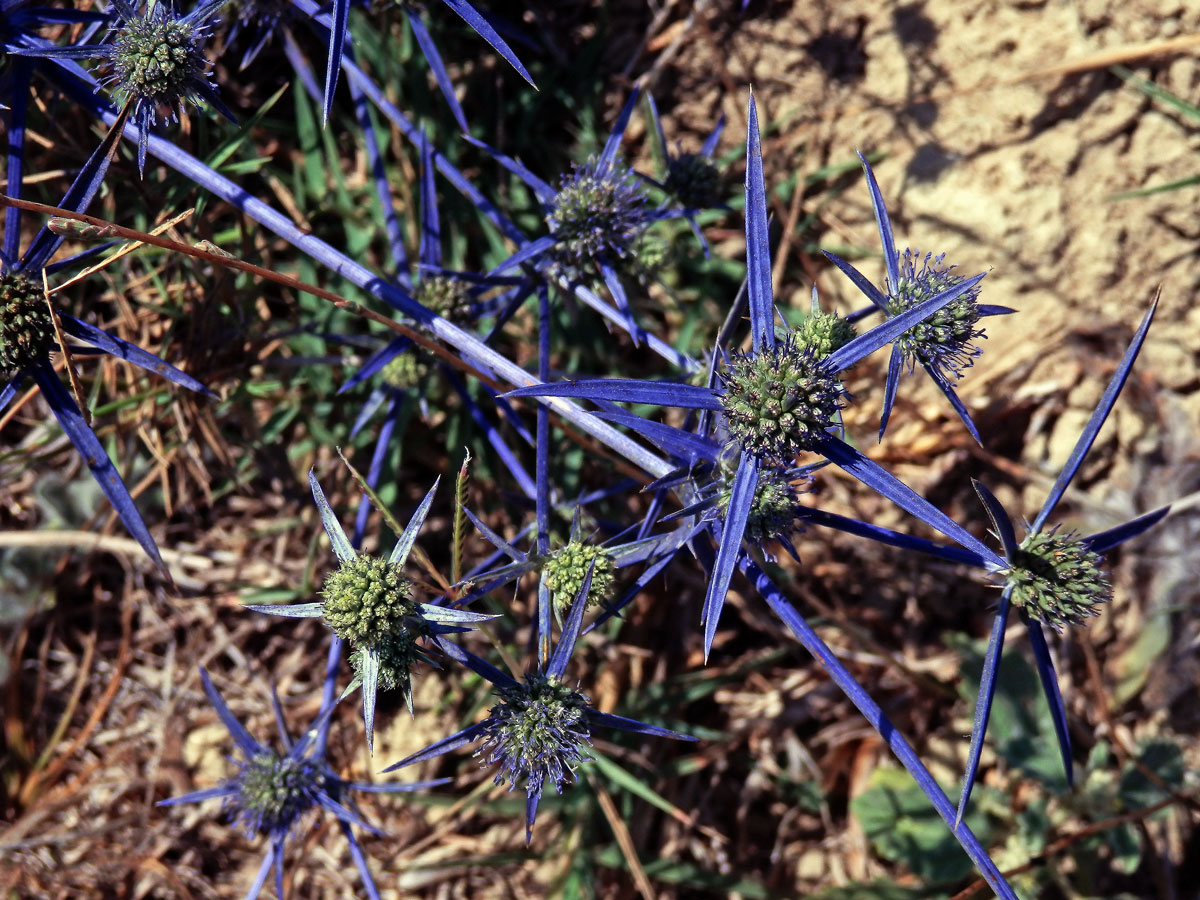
[
  {"x": 1058, "y": 580},
  {"x": 597, "y": 215},
  {"x": 780, "y": 402},
  {"x": 538, "y": 731},
  {"x": 26, "y": 329},
  {"x": 398, "y": 654},
  {"x": 273, "y": 791},
  {"x": 773, "y": 510},
  {"x": 824, "y": 333},
  {"x": 449, "y": 297},
  {"x": 943, "y": 340},
  {"x": 652, "y": 255},
  {"x": 157, "y": 59},
  {"x": 405, "y": 370},
  {"x": 566, "y": 569},
  {"x": 694, "y": 181},
  {"x": 366, "y": 599}
]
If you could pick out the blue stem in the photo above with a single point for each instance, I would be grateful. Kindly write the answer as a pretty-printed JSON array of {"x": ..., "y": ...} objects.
[{"x": 880, "y": 722}]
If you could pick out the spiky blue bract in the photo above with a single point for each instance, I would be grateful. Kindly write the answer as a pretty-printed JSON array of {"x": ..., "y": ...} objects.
[
  {"x": 729, "y": 548},
  {"x": 339, "y": 34},
  {"x": 96, "y": 458},
  {"x": 627, "y": 390},
  {"x": 758, "y": 249},
  {"x": 1088, "y": 436}
]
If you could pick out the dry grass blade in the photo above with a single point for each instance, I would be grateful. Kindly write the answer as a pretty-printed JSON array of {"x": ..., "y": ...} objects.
[
  {"x": 134, "y": 244},
  {"x": 66, "y": 352},
  {"x": 624, "y": 840}
]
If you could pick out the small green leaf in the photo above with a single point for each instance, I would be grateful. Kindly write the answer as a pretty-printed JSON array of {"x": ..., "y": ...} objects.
[
  {"x": 1164, "y": 759},
  {"x": 904, "y": 828}
]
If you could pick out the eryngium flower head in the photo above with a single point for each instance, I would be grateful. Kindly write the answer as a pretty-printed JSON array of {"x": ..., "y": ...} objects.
[
  {"x": 943, "y": 341},
  {"x": 537, "y": 731},
  {"x": 366, "y": 599},
  {"x": 26, "y": 329},
  {"x": 1057, "y": 579},
  {"x": 774, "y": 508},
  {"x": 273, "y": 792},
  {"x": 567, "y": 568},
  {"x": 694, "y": 180},
  {"x": 156, "y": 61},
  {"x": 597, "y": 215},
  {"x": 823, "y": 332},
  {"x": 780, "y": 401},
  {"x": 157, "y": 57},
  {"x": 449, "y": 297},
  {"x": 405, "y": 370}
]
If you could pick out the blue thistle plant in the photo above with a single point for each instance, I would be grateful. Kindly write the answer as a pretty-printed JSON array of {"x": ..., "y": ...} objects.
[
  {"x": 155, "y": 61},
  {"x": 1053, "y": 578},
  {"x": 367, "y": 602},
  {"x": 563, "y": 569},
  {"x": 540, "y": 729},
  {"x": 272, "y": 792},
  {"x": 597, "y": 218},
  {"x": 778, "y": 399},
  {"x": 941, "y": 344},
  {"x": 258, "y": 21},
  {"x": 28, "y": 326}
]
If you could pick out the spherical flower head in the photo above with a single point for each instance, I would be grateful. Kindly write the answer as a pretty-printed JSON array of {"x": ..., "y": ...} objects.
[
  {"x": 26, "y": 328},
  {"x": 780, "y": 402},
  {"x": 274, "y": 791},
  {"x": 567, "y": 568},
  {"x": 449, "y": 297},
  {"x": 405, "y": 370},
  {"x": 158, "y": 58},
  {"x": 943, "y": 340},
  {"x": 366, "y": 599},
  {"x": 694, "y": 180},
  {"x": 538, "y": 731},
  {"x": 398, "y": 653},
  {"x": 1057, "y": 579},
  {"x": 597, "y": 215},
  {"x": 824, "y": 332},
  {"x": 772, "y": 512},
  {"x": 651, "y": 256}
]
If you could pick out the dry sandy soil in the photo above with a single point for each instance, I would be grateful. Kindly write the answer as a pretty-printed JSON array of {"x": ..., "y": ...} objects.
[{"x": 1007, "y": 164}]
